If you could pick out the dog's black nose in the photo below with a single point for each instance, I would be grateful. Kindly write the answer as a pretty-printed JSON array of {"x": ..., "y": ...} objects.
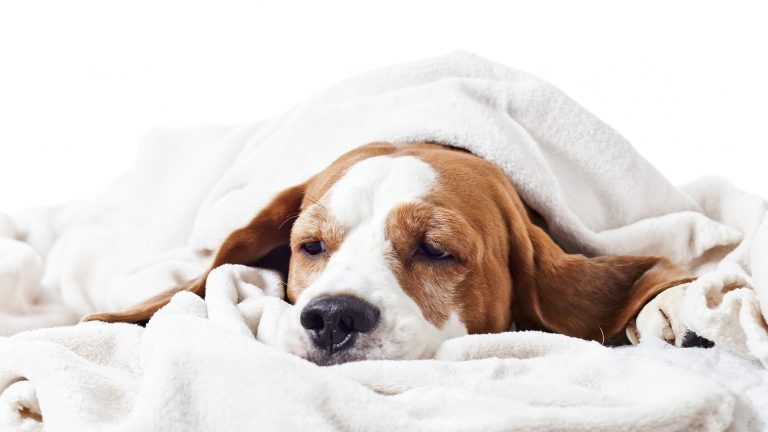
[{"x": 333, "y": 322}]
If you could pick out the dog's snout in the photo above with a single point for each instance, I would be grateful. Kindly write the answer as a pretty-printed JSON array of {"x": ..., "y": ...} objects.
[{"x": 333, "y": 322}]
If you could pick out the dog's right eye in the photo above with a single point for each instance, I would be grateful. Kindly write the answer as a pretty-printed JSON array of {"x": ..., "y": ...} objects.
[{"x": 313, "y": 248}]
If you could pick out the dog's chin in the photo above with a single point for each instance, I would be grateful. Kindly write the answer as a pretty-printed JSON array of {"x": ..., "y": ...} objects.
[
  {"x": 363, "y": 349},
  {"x": 360, "y": 352},
  {"x": 325, "y": 358}
]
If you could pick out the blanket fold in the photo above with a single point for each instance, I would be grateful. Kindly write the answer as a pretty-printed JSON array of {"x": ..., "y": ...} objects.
[{"x": 194, "y": 368}]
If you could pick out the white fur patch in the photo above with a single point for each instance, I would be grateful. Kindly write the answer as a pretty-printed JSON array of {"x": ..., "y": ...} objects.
[
  {"x": 660, "y": 318},
  {"x": 361, "y": 200}
]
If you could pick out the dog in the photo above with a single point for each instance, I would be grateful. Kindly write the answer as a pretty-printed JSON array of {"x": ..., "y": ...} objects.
[{"x": 393, "y": 249}]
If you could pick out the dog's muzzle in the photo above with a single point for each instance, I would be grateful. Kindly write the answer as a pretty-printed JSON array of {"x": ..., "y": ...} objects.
[{"x": 333, "y": 322}]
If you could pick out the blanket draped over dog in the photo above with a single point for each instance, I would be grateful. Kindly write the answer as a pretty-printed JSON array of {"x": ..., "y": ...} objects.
[{"x": 197, "y": 365}]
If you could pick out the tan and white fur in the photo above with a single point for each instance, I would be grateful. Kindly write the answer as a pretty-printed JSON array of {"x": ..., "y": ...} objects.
[{"x": 376, "y": 207}]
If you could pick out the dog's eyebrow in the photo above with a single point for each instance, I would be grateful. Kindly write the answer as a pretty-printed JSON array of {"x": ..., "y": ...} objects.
[
  {"x": 320, "y": 214},
  {"x": 306, "y": 238}
]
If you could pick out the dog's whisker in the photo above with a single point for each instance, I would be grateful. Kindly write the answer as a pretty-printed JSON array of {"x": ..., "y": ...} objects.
[
  {"x": 295, "y": 216},
  {"x": 322, "y": 206},
  {"x": 318, "y": 203}
]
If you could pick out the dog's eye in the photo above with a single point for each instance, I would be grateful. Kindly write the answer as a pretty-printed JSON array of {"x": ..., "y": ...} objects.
[
  {"x": 432, "y": 252},
  {"x": 314, "y": 248}
]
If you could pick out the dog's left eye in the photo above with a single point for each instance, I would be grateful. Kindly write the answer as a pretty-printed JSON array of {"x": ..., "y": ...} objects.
[
  {"x": 314, "y": 248},
  {"x": 432, "y": 252}
]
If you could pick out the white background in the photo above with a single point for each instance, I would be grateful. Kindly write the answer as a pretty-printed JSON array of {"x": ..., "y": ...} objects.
[{"x": 80, "y": 81}]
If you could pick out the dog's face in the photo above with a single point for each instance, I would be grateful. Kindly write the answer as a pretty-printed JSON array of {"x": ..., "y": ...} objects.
[
  {"x": 396, "y": 253},
  {"x": 395, "y": 249}
]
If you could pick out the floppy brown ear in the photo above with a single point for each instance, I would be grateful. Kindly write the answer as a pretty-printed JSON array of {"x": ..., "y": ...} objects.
[
  {"x": 270, "y": 229},
  {"x": 589, "y": 298}
]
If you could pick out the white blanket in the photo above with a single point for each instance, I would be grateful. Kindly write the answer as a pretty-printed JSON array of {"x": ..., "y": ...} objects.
[{"x": 160, "y": 222}]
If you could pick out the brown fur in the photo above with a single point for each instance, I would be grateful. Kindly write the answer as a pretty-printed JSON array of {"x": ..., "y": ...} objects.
[
  {"x": 505, "y": 267},
  {"x": 26, "y": 413},
  {"x": 314, "y": 224}
]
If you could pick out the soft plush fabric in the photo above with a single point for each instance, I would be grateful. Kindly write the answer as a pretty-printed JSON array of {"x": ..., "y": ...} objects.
[{"x": 198, "y": 366}]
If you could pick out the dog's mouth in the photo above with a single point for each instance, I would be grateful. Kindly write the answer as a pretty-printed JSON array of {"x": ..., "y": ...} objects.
[
  {"x": 355, "y": 347},
  {"x": 324, "y": 358}
]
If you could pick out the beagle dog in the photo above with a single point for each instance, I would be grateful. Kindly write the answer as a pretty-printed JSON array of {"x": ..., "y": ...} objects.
[{"x": 393, "y": 249}]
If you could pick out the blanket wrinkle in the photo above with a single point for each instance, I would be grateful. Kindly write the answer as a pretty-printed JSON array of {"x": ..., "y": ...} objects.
[
  {"x": 488, "y": 382},
  {"x": 190, "y": 187}
]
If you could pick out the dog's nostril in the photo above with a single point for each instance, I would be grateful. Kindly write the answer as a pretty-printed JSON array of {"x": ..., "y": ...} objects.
[
  {"x": 346, "y": 324},
  {"x": 332, "y": 322},
  {"x": 312, "y": 321},
  {"x": 364, "y": 320}
]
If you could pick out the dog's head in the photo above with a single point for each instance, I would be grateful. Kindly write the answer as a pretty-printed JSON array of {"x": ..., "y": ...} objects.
[{"x": 395, "y": 249}]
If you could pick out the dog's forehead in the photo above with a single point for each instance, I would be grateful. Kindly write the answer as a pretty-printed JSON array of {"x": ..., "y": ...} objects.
[
  {"x": 375, "y": 178},
  {"x": 372, "y": 187}
]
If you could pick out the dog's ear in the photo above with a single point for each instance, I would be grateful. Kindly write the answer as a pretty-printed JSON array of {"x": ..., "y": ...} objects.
[
  {"x": 590, "y": 298},
  {"x": 270, "y": 229}
]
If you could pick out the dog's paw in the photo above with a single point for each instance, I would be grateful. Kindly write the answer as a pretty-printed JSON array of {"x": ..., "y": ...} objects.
[{"x": 660, "y": 319}]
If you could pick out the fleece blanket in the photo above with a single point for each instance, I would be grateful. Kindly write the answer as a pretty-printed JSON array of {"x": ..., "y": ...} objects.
[{"x": 207, "y": 364}]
